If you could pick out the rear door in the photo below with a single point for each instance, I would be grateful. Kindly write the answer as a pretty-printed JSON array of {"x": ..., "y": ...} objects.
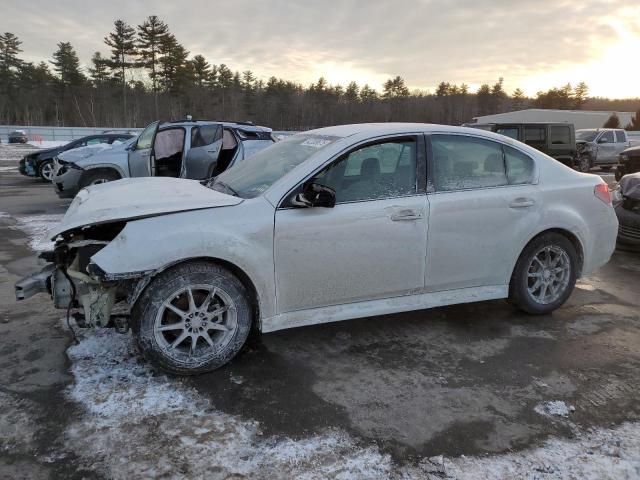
[
  {"x": 141, "y": 152},
  {"x": 483, "y": 208},
  {"x": 204, "y": 150}
]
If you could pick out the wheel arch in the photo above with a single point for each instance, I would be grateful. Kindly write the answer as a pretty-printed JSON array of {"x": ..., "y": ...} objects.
[
  {"x": 143, "y": 283},
  {"x": 572, "y": 237}
]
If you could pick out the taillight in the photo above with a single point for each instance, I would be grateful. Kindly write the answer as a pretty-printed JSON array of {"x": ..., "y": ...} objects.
[{"x": 602, "y": 192}]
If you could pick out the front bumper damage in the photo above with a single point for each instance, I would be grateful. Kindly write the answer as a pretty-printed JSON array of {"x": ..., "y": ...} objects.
[{"x": 75, "y": 283}]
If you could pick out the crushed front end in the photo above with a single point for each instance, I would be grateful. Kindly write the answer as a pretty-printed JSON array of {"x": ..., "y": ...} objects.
[{"x": 73, "y": 282}]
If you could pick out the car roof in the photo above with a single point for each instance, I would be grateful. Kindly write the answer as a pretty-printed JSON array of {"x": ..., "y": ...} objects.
[
  {"x": 392, "y": 128},
  {"x": 249, "y": 127}
]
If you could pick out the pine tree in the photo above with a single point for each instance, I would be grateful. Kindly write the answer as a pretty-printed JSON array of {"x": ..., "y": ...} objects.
[
  {"x": 201, "y": 70},
  {"x": 9, "y": 61},
  {"x": 123, "y": 49},
  {"x": 98, "y": 72},
  {"x": 173, "y": 64},
  {"x": 151, "y": 34},
  {"x": 67, "y": 66},
  {"x": 352, "y": 93},
  {"x": 580, "y": 94},
  {"x": 395, "y": 88},
  {"x": 518, "y": 99},
  {"x": 612, "y": 122}
]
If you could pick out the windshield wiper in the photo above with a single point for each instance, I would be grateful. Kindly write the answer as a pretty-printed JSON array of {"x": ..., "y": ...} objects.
[{"x": 225, "y": 186}]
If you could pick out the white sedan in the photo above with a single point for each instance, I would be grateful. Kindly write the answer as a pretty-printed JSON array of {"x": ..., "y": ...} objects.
[{"x": 326, "y": 225}]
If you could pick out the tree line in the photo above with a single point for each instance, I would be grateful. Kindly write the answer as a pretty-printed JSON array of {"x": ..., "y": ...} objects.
[{"x": 146, "y": 74}]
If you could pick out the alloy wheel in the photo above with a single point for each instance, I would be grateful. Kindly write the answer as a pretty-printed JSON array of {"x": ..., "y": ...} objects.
[
  {"x": 548, "y": 274},
  {"x": 195, "y": 321},
  {"x": 47, "y": 171}
]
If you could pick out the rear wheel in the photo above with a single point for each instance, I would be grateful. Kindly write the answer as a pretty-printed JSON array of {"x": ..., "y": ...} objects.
[
  {"x": 98, "y": 176},
  {"x": 545, "y": 274},
  {"x": 192, "y": 318},
  {"x": 46, "y": 171}
]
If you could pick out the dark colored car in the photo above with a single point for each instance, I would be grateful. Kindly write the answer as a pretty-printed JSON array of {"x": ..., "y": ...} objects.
[
  {"x": 628, "y": 162},
  {"x": 627, "y": 207},
  {"x": 558, "y": 140},
  {"x": 40, "y": 163},
  {"x": 18, "y": 136}
]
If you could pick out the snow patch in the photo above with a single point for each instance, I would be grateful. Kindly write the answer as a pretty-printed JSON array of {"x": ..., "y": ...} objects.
[
  {"x": 37, "y": 226},
  {"x": 556, "y": 408},
  {"x": 47, "y": 143},
  {"x": 177, "y": 433}
]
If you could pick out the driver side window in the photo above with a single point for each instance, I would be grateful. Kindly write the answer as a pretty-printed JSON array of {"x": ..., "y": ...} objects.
[
  {"x": 146, "y": 137},
  {"x": 374, "y": 172}
]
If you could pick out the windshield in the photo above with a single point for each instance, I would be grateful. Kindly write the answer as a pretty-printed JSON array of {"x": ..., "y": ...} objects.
[
  {"x": 250, "y": 178},
  {"x": 586, "y": 135}
]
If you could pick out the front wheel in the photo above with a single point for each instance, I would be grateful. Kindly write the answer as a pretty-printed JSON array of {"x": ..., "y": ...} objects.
[
  {"x": 46, "y": 171},
  {"x": 545, "y": 274},
  {"x": 192, "y": 318},
  {"x": 97, "y": 177},
  {"x": 583, "y": 163}
]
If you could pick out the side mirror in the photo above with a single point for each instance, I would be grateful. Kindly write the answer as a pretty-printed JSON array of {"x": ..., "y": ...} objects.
[{"x": 315, "y": 195}]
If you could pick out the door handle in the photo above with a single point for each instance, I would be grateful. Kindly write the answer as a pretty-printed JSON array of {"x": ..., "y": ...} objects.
[
  {"x": 406, "y": 214},
  {"x": 522, "y": 203}
]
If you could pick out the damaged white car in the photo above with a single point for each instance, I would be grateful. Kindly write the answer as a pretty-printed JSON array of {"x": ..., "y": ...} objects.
[{"x": 327, "y": 225}]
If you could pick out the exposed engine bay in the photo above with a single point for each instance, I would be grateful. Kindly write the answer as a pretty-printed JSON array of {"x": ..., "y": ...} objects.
[{"x": 74, "y": 282}]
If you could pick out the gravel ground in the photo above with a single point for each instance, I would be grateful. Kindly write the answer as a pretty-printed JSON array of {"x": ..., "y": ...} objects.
[{"x": 471, "y": 391}]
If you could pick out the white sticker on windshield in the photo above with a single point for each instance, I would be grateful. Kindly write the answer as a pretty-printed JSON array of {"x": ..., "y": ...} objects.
[{"x": 315, "y": 142}]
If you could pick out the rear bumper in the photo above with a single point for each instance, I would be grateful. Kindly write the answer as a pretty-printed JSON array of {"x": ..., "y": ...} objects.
[
  {"x": 602, "y": 244},
  {"x": 35, "y": 283}
]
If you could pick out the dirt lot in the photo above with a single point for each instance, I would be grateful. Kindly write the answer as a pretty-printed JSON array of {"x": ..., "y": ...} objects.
[{"x": 472, "y": 391}]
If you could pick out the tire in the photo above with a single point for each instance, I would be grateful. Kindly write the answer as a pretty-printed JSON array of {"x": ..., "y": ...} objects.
[
  {"x": 45, "y": 171},
  {"x": 583, "y": 163},
  {"x": 95, "y": 177},
  {"x": 173, "y": 349},
  {"x": 530, "y": 270}
]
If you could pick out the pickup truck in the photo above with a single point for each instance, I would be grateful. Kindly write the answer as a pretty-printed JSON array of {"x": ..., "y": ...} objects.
[{"x": 601, "y": 146}]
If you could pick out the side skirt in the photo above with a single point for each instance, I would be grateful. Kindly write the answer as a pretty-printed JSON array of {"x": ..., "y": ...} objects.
[{"x": 369, "y": 308}]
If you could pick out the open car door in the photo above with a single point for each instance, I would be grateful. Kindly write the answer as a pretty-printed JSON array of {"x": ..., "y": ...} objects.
[
  {"x": 202, "y": 157},
  {"x": 141, "y": 157}
]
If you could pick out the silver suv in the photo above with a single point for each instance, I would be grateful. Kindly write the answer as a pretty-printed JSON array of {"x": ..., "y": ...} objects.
[
  {"x": 181, "y": 149},
  {"x": 601, "y": 145}
]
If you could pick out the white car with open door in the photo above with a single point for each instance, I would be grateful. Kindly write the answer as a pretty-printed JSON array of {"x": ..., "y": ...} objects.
[{"x": 332, "y": 224}]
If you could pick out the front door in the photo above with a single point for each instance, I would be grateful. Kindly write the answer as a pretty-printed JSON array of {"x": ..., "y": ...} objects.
[
  {"x": 141, "y": 152},
  {"x": 607, "y": 148},
  {"x": 371, "y": 245},
  {"x": 481, "y": 212}
]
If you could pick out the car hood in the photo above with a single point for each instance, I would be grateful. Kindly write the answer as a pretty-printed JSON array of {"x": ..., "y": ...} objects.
[
  {"x": 635, "y": 149},
  {"x": 83, "y": 152},
  {"x": 630, "y": 186},
  {"x": 133, "y": 198}
]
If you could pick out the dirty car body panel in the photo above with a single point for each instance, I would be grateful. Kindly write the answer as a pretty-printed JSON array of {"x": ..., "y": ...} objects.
[{"x": 337, "y": 223}]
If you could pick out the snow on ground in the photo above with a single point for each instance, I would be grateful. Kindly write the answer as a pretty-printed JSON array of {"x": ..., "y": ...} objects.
[
  {"x": 175, "y": 432},
  {"x": 37, "y": 226},
  {"x": 555, "y": 408},
  {"x": 47, "y": 143},
  {"x": 138, "y": 423}
]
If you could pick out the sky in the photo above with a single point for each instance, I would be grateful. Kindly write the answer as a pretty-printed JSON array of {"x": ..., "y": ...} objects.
[{"x": 533, "y": 45}]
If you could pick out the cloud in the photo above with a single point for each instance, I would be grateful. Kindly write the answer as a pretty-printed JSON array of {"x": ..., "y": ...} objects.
[{"x": 425, "y": 41}]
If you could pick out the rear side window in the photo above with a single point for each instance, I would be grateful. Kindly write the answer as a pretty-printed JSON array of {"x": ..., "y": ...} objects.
[
  {"x": 560, "y": 135},
  {"x": 519, "y": 166},
  {"x": 205, "y": 135},
  {"x": 535, "y": 135},
  {"x": 620, "y": 137},
  {"x": 511, "y": 132},
  {"x": 461, "y": 162}
]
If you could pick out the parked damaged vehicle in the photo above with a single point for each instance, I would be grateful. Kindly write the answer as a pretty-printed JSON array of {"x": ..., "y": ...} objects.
[
  {"x": 40, "y": 163},
  {"x": 181, "y": 149},
  {"x": 601, "y": 146},
  {"x": 628, "y": 162},
  {"x": 327, "y": 225},
  {"x": 627, "y": 207},
  {"x": 18, "y": 136}
]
